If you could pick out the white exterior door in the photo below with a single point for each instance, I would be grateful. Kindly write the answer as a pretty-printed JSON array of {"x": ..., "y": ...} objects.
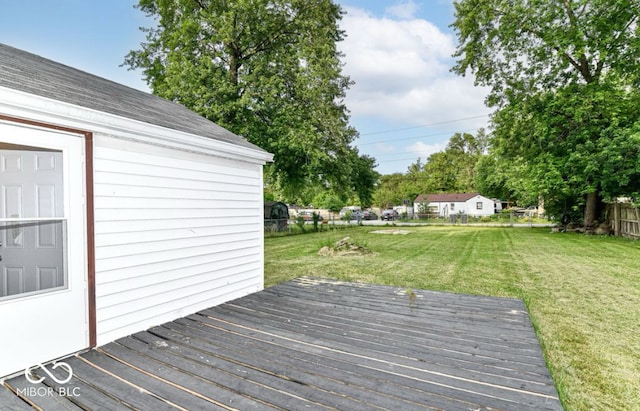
[{"x": 43, "y": 299}]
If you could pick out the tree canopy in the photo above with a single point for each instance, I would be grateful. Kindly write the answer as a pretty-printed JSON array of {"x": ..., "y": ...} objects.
[
  {"x": 447, "y": 171},
  {"x": 521, "y": 47},
  {"x": 563, "y": 78},
  {"x": 268, "y": 70}
]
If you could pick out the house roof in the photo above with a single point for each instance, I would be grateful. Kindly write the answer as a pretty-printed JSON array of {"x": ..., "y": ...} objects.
[
  {"x": 29, "y": 73},
  {"x": 444, "y": 198}
]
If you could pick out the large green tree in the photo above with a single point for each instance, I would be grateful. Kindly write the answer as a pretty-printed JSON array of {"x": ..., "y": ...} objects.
[
  {"x": 572, "y": 141},
  {"x": 453, "y": 170},
  {"x": 364, "y": 177},
  {"x": 392, "y": 190},
  {"x": 561, "y": 76},
  {"x": 448, "y": 171},
  {"x": 268, "y": 70}
]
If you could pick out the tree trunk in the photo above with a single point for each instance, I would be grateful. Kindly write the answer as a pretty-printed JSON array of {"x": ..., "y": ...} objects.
[{"x": 591, "y": 209}]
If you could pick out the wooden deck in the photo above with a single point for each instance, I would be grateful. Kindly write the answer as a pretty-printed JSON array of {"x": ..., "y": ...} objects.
[{"x": 313, "y": 344}]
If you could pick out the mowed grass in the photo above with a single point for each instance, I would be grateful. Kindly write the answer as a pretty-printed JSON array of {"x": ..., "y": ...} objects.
[{"x": 582, "y": 292}]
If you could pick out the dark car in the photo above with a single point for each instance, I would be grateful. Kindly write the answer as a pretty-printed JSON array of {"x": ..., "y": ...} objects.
[
  {"x": 369, "y": 215},
  {"x": 389, "y": 215}
]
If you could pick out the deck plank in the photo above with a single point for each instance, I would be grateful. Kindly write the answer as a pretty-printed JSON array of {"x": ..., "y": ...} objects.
[
  {"x": 156, "y": 387},
  {"x": 9, "y": 401},
  {"x": 301, "y": 364},
  {"x": 320, "y": 344},
  {"x": 333, "y": 328},
  {"x": 383, "y": 333},
  {"x": 443, "y": 384},
  {"x": 214, "y": 378},
  {"x": 320, "y": 387},
  {"x": 401, "y": 355},
  {"x": 40, "y": 395},
  {"x": 446, "y": 359},
  {"x": 78, "y": 392},
  {"x": 98, "y": 382},
  {"x": 277, "y": 378}
]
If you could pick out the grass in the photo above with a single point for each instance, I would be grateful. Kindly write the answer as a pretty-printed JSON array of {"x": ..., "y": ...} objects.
[{"x": 582, "y": 292}]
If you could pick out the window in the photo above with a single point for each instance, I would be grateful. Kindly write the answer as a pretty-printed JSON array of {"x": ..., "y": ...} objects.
[
  {"x": 32, "y": 223},
  {"x": 453, "y": 205},
  {"x": 479, "y": 205}
]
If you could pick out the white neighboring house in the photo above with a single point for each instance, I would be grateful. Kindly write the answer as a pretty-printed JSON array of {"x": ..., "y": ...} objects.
[
  {"x": 444, "y": 205},
  {"x": 119, "y": 210}
]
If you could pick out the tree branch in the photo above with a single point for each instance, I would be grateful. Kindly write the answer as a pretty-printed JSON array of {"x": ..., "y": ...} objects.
[
  {"x": 583, "y": 67},
  {"x": 201, "y": 4},
  {"x": 570, "y": 13},
  {"x": 577, "y": 65}
]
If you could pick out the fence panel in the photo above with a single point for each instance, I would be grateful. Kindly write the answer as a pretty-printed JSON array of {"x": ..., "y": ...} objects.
[{"x": 625, "y": 220}]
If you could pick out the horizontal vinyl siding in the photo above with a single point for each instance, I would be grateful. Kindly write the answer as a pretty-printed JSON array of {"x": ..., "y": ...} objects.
[
  {"x": 173, "y": 235},
  {"x": 488, "y": 207},
  {"x": 150, "y": 315}
]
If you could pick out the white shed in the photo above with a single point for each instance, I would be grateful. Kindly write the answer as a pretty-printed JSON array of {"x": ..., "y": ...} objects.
[
  {"x": 119, "y": 211},
  {"x": 446, "y": 204}
]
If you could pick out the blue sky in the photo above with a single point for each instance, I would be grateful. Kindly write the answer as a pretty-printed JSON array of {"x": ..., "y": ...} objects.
[{"x": 405, "y": 103}]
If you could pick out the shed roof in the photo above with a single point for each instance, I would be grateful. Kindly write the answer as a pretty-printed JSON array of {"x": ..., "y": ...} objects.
[
  {"x": 275, "y": 209},
  {"x": 444, "y": 197},
  {"x": 29, "y": 73}
]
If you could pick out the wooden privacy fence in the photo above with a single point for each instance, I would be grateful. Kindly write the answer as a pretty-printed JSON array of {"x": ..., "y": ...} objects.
[{"x": 625, "y": 220}]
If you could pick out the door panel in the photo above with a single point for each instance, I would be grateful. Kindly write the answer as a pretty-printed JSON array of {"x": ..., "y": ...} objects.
[
  {"x": 32, "y": 248},
  {"x": 13, "y": 281},
  {"x": 43, "y": 271}
]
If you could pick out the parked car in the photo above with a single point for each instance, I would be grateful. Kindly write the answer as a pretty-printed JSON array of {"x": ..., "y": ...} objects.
[
  {"x": 369, "y": 215},
  {"x": 530, "y": 211},
  {"x": 308, "y": 215},
  {"x": 350, "y": 209},
  {"x": 389, "y": 215}
]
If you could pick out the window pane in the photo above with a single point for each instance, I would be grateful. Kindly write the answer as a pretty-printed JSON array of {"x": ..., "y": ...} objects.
[{"x": 32, "y": 257}]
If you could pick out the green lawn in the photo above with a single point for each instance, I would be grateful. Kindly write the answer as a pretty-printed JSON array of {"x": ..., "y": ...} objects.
[{"x": 582, "y": 292}]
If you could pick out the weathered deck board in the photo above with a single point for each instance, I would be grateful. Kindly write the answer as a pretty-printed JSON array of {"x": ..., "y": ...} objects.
[
  {"x": 10, "y": 402},
  {"x": 313, "y": 386},
  {"x": 319, "y": 344},
  {"x": 450, "y": 358},
  {"x": 39, "y": 396},
  {"x": 95, "y": 383}
]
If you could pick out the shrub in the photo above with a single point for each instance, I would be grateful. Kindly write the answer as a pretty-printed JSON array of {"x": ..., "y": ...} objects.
[{"x": 316, "y": 219}]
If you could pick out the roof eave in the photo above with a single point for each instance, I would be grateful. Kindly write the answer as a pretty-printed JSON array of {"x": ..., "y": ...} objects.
[{"x": 29, "y": 106}]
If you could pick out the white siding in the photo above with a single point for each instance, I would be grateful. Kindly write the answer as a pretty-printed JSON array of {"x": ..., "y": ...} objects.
[
  {"x": 175, "y": 233},
  {"x": 487, "y": 206},
  {"x": 470, "y": 207}
]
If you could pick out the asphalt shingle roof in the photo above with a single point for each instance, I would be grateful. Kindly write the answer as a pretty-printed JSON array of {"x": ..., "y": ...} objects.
[
  {"x": 444, "y": 198},
  {"x": 26, "y": 72}
]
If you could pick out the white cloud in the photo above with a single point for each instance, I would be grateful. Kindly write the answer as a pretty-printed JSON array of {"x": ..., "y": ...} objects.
[
  {"x": 401, "y": 70},
  {"x": 406, "y": 10},
  {"x": 424, "y": 150}
]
